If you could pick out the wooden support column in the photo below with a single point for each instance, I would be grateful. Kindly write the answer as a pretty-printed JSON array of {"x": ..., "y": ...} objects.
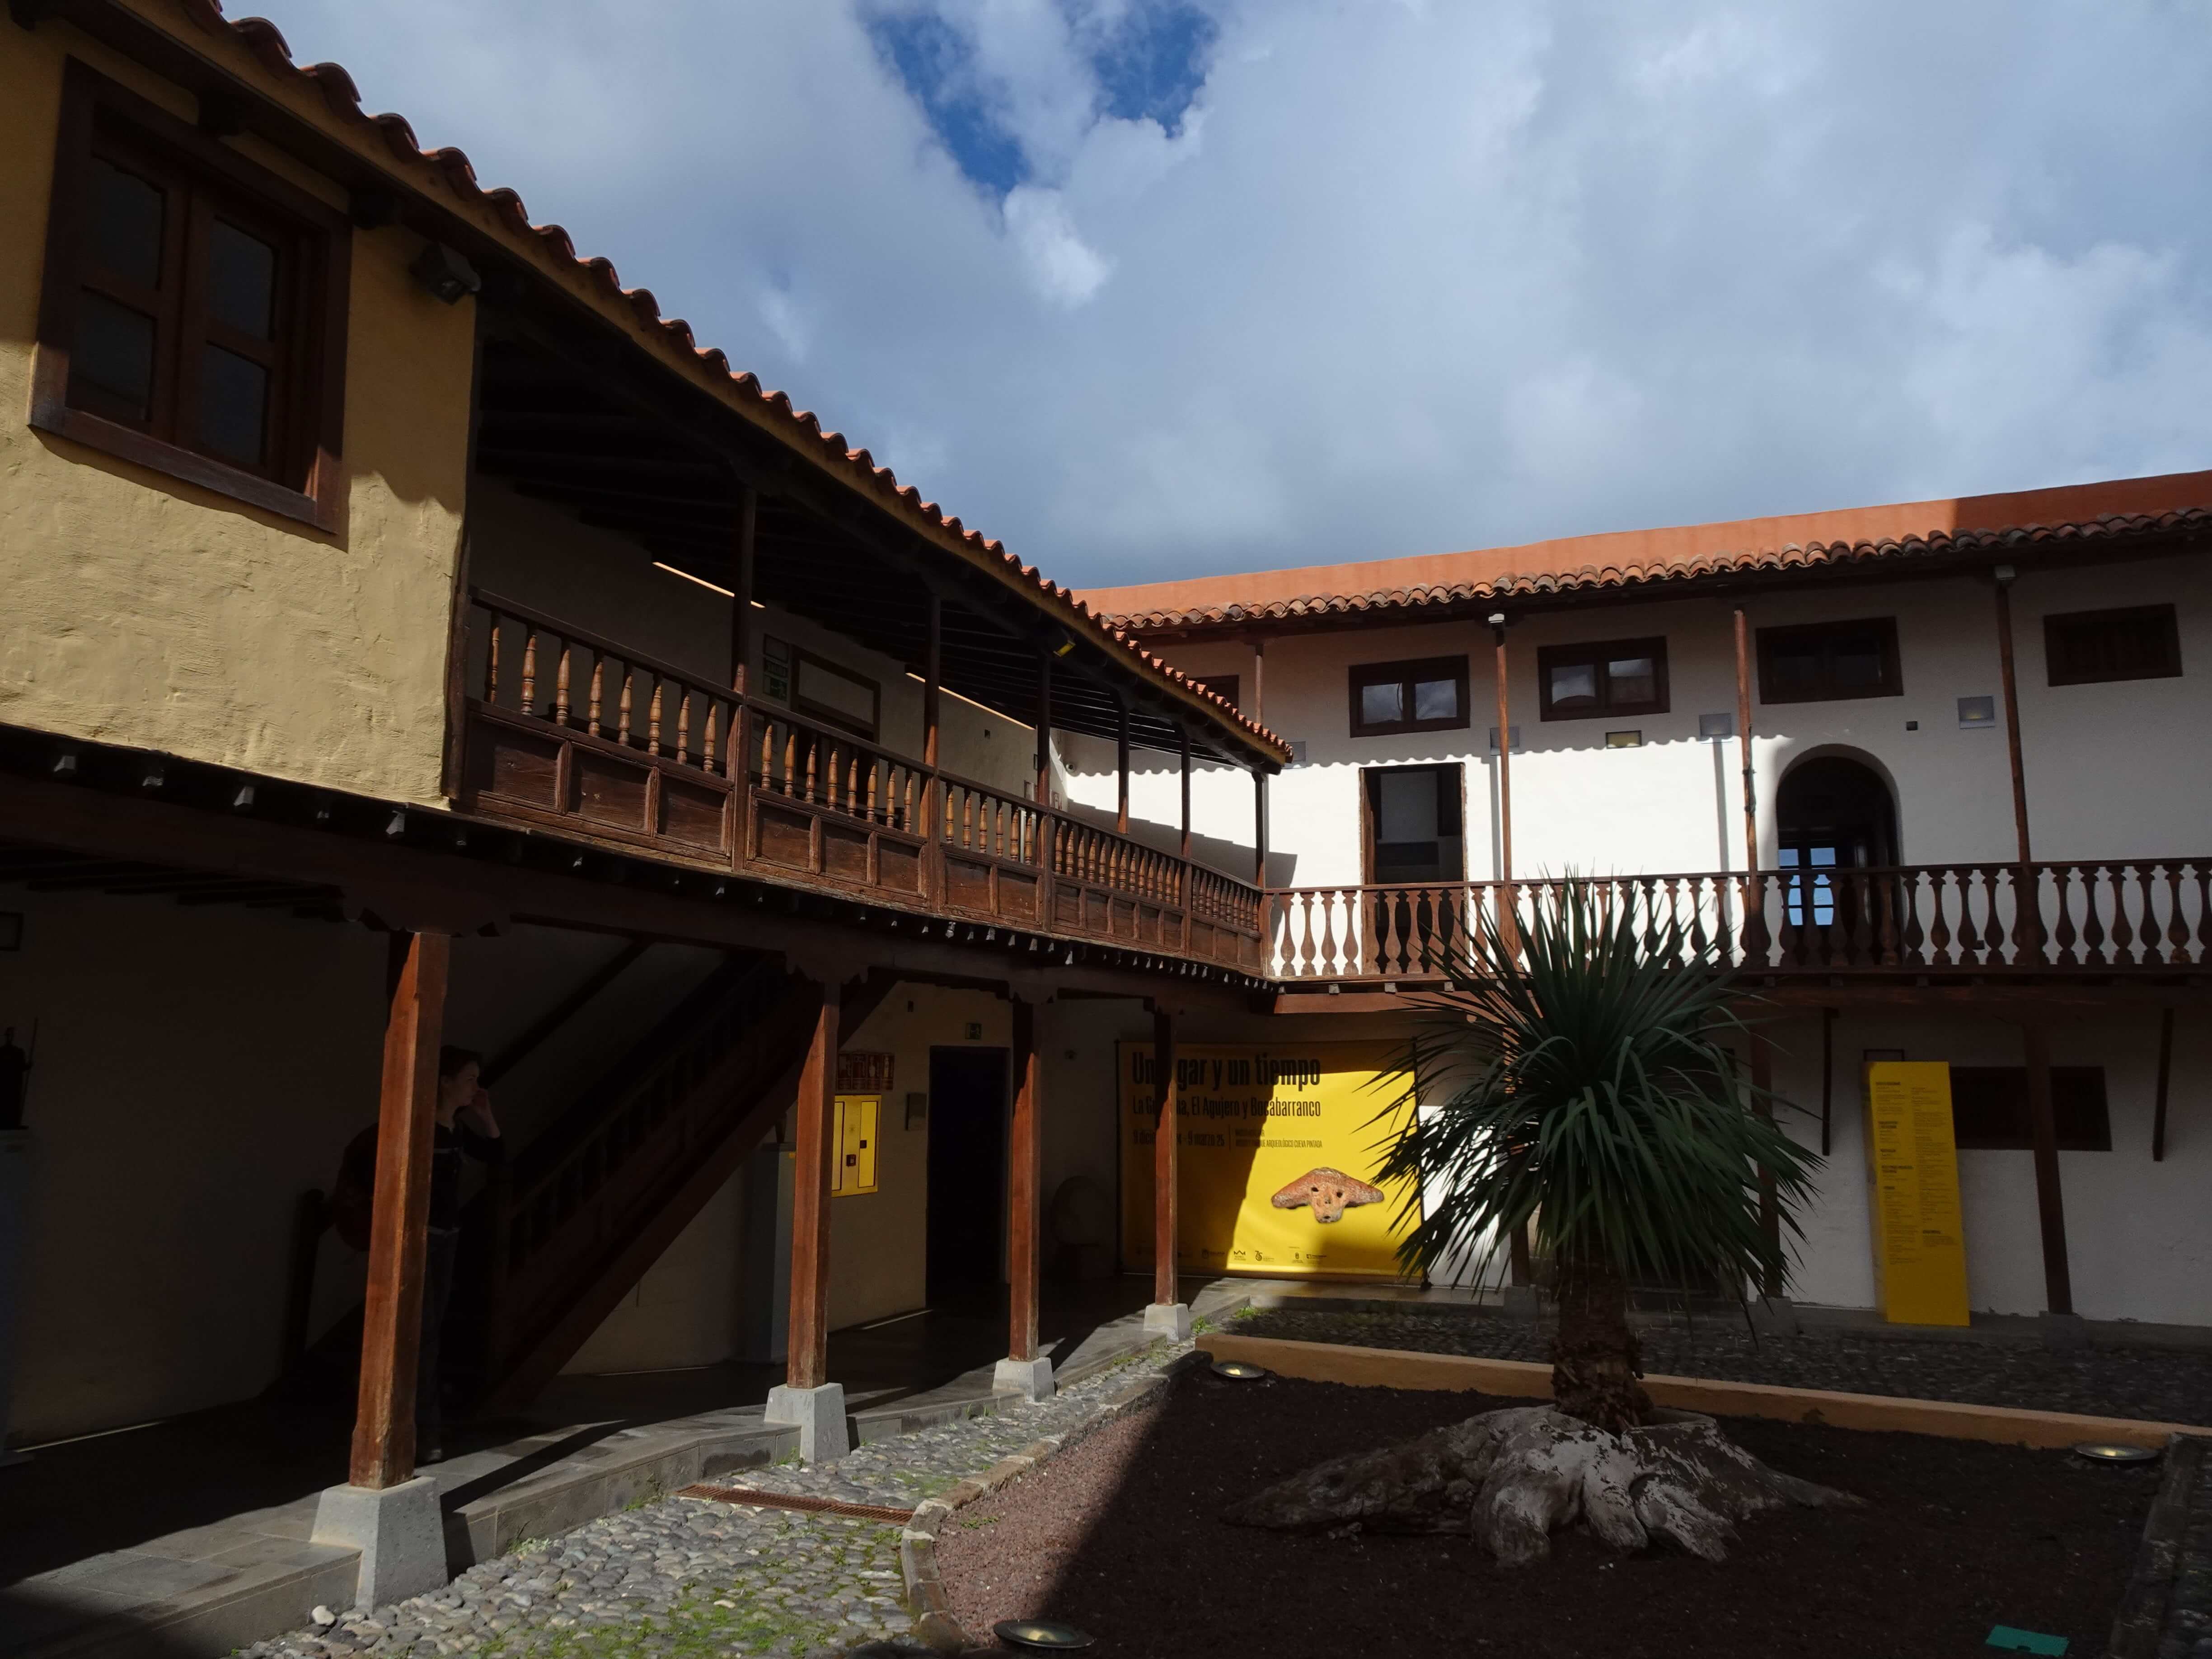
[
  {"x": 1164, "y": 1193},
  {"x": 1259, "y": 827},
  {"x": 1183, "y": 737},
  {"x": 1508, "y": 906},
  {"x": 808, "y": 1365},
  {"x": 1044, "y": 730},
  {"x": 1257, "y": 712},
  {"x": 738, "y": 758},
  {"x": 2027, "y": 913},
  {"x": 932, "y": 802},
  {"x": 392, "y": 1317},
  {"x": 2165, "y": 1078},
  {"x": 1769, "y": 1205},
  {"x": 1024, "y": 1171},
  {"x": 1121, "y": 765},
  {"x": 1754, "y": 903},
  {"x": 1828, "y": 1076},
  {"x": 2049, "y": 1202}
]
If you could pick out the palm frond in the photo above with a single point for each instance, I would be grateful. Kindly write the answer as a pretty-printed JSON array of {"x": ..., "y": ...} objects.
[{"x": 1576, "y": 1071}]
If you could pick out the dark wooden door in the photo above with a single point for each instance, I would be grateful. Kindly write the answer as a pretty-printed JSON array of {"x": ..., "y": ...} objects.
[{"x": 967, "y": 1169}]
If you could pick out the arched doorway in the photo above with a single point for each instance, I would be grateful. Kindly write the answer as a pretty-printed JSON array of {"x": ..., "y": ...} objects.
[{"x": 1832, "y": 813}]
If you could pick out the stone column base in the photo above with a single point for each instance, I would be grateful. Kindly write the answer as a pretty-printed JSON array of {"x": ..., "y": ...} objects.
[
  {"x": 399, "y": 1531},
  {"x": 820, "y": 1413},
  {"x": 1029, "y": 1378},
  {"x": 1168, "y": 1319},
  {"x": 1524, "y": 1302},
  {"x": 1774, "y": 1316}
]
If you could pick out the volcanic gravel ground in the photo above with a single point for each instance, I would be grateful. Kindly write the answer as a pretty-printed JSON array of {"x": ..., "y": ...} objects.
[
  {"x": 2163, "y": 1385},
  {"x": 1122, "y": 1536}
]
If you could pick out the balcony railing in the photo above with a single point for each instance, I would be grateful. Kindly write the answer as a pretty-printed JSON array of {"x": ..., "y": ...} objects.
[
  {"x": 564, "y": 729},
  {"x": 2090, "y": 918}
]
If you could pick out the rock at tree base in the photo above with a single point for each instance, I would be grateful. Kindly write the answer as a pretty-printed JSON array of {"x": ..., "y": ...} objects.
[{"x": 1512, "y": 1478}]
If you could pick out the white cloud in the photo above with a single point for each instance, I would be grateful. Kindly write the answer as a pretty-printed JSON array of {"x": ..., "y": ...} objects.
[
  {"x": 1410, "y": 277},
  {"x": 1065, "y": 269}
]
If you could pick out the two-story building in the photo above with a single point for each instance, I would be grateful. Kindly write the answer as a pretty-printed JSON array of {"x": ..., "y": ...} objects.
[
  {"x": 413, "y": 639},
  {"x": 1841, "y": 748}
]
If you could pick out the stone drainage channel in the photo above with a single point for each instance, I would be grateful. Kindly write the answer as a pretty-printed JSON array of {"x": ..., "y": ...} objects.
[{"x": 684, "y": 1575}]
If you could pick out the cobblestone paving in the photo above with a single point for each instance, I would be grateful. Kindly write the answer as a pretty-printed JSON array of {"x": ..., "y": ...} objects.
[
  {"x": 685, "y": 1576},
  {"x": 2165, "y": 1385}
]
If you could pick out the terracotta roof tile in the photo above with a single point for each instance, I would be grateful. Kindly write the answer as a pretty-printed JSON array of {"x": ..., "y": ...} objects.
[
  {"x": 2103, "y": 514},
  {"x": 452, "y": 169}
]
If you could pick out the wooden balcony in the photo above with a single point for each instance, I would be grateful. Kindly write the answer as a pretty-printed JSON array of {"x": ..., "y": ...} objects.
[
  {"x": 562, "y": 730},
  {"x": 2094, "y": 920}
]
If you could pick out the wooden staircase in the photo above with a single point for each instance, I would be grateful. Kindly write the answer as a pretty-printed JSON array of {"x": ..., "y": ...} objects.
[{"x": 567, "y": 1227}]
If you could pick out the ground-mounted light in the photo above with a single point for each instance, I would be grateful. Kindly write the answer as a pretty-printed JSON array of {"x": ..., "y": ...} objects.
[
  {"x": 1241, "y": 1371},
  {"x": 1041, "y": 1635},
  {"x": 2110, "y": 1451}
]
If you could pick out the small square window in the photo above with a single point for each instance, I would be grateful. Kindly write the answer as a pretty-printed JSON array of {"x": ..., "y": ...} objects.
[
  {"x": 2142, "y": 642},
  {"x": 1614, "y": 677},
  {"x": 1830, "y": 662},
  {"x": 1428, "y": 695},
  {"x": 1624, "y": 739}
]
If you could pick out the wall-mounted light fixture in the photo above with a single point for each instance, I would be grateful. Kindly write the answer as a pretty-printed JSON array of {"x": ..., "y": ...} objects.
[
  {"x": 1060, "y": 642},
  {"x": 1624, "y": 739},
  {"x": 1493, "y": 737},
  {"x": 1977, "y": 712},
  {"x": 445, "y": 273},
  {"x": 1716, "y": 725}
]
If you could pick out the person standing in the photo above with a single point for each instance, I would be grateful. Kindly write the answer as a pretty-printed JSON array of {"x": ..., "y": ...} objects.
[{"x": 465, "y": 1128}]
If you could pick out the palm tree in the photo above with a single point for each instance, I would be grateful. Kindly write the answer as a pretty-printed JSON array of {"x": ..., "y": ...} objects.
[{"x": 1578, "y": 1078}]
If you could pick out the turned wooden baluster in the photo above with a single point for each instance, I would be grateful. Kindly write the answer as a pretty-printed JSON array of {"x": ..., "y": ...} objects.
[
  {"x": 560, "y": 684},
  {"x": 1969, "y": 938},
  {"x": 706, "y": 736},
  {"x": 2203, "y": 913},
  {"x": 491, "y": 659},
  {"x": 529, "y": 671},
  {"x": 1327, "y": 952},
  {"x": 2062, "y": 882},
  {"x": 652, "y": 718},
  {"x": 628, "y": 692},
  {"x": 2177, "y": 929},
  {"x": 599, "y": 686},
  {"x": 683, "y": 726},
  {"x": 2123, "y": 930}
]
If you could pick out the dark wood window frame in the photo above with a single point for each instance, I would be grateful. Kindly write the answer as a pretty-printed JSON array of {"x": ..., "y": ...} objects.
[
  {"x": 1995, "y": 1114},
  {"x": 801, "y": 659},
  {"x": 1596, "y": 654},
  {"x": 304, "y": 479},
  {"x": 1892, "y": 683},
  {"x": 2063, "y": 663},
  {"x": 1407, "y": 675}
]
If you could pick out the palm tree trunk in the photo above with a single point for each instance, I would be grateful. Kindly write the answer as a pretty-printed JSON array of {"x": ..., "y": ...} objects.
[{"x": 1595, "y": 1357}]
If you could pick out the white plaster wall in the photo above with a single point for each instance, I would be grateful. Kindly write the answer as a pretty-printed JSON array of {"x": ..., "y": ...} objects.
[{"x": 2109, "y": 768}]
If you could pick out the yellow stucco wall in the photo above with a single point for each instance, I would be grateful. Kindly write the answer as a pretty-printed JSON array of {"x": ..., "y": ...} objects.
[{"x": 146, "y": 611}]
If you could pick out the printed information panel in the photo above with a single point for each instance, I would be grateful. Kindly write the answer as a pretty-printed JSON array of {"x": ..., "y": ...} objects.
[
  {"x": 1913, "y": 1183},
  {"x": 1277, "y": 1153}
]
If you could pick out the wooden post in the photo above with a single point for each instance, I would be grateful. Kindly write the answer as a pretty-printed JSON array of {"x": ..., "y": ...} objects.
[
  {"x": 1828, "y": 1076},
  {"x": 1183, "y": 737},
  {"x": 933, "y": 799},
  {"x": 1044, "y": 730},
  {"x": 2049, "y": 1203},
  {"x": 2165, "y": 1078},
  {"x": 808, "y": 1366},
  {"x": 1023, "y": 1172},
  {"x": 737, "y": 761},
  {"x": 1754, "y": 900},
  {"x": 1769, "y": 1205},
  {"x": 2027, "y": 909},
  {"x": 1257, "y": 712},
  {"x": 1164, "y": 1195},
  {"x": 391, "y": 1316},
  {"x": 1121, "y": 764},
  {"x": 1259, "y": 828},
  {"x": 1508, "y": 907}
]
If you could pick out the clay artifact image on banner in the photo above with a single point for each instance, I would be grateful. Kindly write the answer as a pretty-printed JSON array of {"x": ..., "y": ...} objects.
[{"x": 1330, "y": 1193}]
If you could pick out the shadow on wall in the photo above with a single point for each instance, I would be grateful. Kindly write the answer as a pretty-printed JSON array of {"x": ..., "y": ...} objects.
[{"x": 1214, "y": 852}]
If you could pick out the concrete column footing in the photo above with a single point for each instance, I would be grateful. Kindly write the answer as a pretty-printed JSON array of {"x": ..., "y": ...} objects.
[
  {"x": 1168, "y": 1319},
  {"x": 400, "y": 1531},
  {"x": 819, "y": 1415},
  {"x": 1029, "y": 1378}
]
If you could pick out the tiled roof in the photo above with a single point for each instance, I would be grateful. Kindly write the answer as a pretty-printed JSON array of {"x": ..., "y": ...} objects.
[
  {"x": 1979, "y": 526},
  {"x": 450, "y": 167}
]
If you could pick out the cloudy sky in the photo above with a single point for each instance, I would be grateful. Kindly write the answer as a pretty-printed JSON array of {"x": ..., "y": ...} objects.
[{"x": 1160, "y": 288}]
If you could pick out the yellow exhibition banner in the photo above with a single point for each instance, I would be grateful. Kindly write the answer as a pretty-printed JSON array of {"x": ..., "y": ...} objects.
[
  {"x": 1912, "y": 1178},
  {"x": 1276, "y": 1150}
]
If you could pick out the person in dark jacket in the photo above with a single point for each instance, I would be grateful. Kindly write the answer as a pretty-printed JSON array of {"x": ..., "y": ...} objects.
[{"x": 465, "y": 1128}]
